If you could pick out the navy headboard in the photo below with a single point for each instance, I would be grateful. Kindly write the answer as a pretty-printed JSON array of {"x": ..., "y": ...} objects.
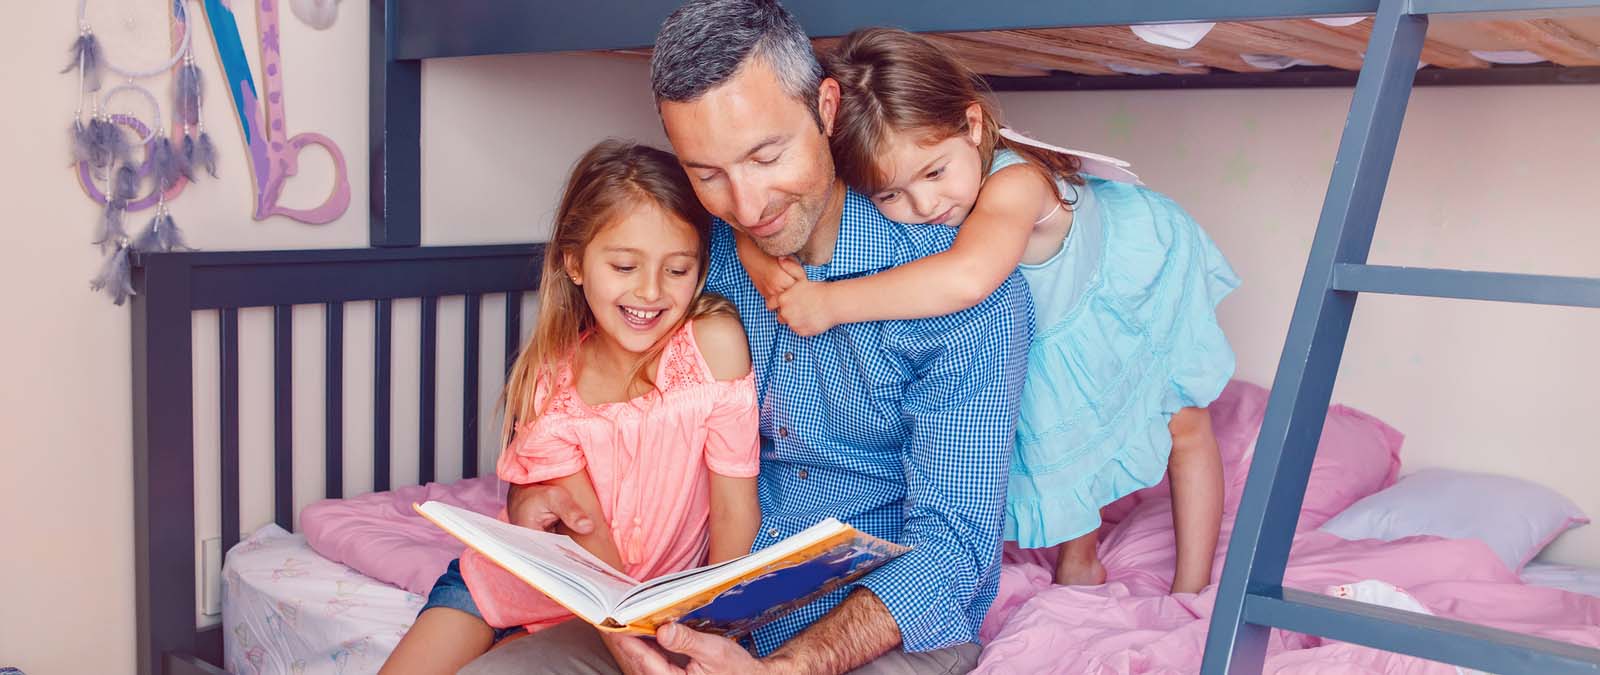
[{"x": 172, "y": 287}]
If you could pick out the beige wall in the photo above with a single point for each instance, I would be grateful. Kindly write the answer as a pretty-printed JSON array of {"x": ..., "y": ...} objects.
[
  {"x": 1490, "y": 178},
  {"x": 1502, "y": 388},
  {"x": 499, "y": 133}
]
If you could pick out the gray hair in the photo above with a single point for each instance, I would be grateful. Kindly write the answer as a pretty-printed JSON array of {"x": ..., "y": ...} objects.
[{"x": 705, "y": 42}]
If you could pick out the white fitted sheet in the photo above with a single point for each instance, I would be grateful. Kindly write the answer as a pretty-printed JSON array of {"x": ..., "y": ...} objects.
[{"x": 288, "y": 610}]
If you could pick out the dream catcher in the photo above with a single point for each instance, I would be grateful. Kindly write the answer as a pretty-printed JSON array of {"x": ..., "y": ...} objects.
[{"x": 128, "y": 164}]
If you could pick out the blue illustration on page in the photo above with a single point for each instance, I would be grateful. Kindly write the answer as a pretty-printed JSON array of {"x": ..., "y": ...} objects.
[{"x": 754, "y": 603}]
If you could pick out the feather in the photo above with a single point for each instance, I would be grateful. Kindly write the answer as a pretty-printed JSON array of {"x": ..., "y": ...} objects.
[
  {"x": 188, "y": 94},
  {"x": 205, "y": 154},
  {"x": 82, "y": 143},
  {"x": 166, "y": 164},
  {"x": 115, "y": 277},
  {"x": 160, "y": 236},
  {"x": 86, "y": 54},
  {"x": 187, "y": 154},
  {"x": 112, "y": 233},
  {"x": 127, "y": 185},
  {"x": 107, "y": 145}
]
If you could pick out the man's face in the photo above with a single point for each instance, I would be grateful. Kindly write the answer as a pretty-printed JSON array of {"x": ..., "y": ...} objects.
[{"x": 756, "y": 157}]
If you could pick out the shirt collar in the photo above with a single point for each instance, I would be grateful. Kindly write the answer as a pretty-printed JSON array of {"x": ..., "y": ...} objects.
[{"x": 866, "y": 241}]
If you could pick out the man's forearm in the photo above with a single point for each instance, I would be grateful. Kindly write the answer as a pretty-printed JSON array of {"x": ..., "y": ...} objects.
[{"x": 854, "y": 634}]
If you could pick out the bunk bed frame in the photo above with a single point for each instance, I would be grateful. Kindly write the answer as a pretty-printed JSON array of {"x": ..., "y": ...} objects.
[{"x": 1251, "y": 599}]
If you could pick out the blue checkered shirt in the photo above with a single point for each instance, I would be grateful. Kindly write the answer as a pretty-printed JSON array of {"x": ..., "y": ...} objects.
[{"x": 903, "y": 429}]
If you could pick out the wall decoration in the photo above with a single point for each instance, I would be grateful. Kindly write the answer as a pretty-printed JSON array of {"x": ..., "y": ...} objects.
[
  {"x": 112, "y": 168},
  {"x": 273, "y": 159},
  {"x": 120, "y": 144},
  {"x": 318, "y": 14}
]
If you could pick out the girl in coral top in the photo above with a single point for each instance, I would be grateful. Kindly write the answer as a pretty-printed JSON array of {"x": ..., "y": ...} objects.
[{"x": 634, "y": 393}]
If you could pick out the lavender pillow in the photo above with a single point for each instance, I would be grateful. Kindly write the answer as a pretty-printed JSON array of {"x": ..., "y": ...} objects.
[{"x": 1515, "y": 517}]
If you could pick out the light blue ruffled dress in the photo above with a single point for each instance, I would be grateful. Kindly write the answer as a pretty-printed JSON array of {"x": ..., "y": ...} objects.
[{"x": 1125, "y": 336}]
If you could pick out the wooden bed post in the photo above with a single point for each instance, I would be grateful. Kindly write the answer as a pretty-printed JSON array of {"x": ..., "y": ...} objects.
[
  {"x": 163, "y": 481},
  {"x": 394, "y": 131}
]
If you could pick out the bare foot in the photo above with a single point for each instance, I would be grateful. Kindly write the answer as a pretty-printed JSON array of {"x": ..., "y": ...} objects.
[{"x": 1080, "y": 573}]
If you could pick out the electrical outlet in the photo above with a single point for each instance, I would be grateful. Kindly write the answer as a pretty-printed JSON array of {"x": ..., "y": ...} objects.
[{"x": 211, "y": 576}]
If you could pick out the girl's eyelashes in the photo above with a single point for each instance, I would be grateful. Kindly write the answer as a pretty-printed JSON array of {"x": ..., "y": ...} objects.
[
  {"x": 935, "y": 174},
  {"x": 624, "y": 268}
]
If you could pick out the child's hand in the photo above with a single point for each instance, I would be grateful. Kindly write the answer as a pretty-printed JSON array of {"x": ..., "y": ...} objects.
[
  {"x": 771, "y": 276},
  {"x": 806, "y": 308},
  {"x": 776, "y": 279}
]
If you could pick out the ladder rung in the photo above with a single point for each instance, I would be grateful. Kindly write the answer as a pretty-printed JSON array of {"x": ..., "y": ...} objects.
[
  {"x": 1430, "y": 637},
  {"x": 1498, "y": 286}
]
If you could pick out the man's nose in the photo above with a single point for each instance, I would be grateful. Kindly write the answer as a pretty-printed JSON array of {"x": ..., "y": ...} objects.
[{"x": 749, "y": 200}]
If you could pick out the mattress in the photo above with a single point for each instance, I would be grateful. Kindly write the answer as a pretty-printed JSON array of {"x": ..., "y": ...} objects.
[
  {"x": 288, "y": 610},
  {"x": 1572, "y": 578}
]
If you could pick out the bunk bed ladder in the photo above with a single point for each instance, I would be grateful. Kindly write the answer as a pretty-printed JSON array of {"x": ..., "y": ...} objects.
[{"x": 1251, "y": 599}]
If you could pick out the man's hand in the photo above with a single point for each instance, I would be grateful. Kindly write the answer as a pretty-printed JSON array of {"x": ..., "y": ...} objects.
[
  {"x": 545, "y": 507},
  {"x": 708, "y": 654},
  {"x": 806, "y": 308}
]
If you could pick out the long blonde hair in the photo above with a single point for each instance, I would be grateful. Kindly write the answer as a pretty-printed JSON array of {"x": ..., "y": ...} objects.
[
  {"x": 608, "y": 178},
  {"x": 892, "y": 80}
]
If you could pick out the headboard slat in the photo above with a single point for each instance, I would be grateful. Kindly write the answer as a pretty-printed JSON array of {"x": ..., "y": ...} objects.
[
  {"x": 513, "y": 328},
  {"x": 471, "y": 316},
  {"x": 228, "y": 349},
  {"x": 383, "y": 319},
  {"x": 283, "y": 416},
  {"x": 428, "y": 390},
  {"x": 333, "y": 400}
]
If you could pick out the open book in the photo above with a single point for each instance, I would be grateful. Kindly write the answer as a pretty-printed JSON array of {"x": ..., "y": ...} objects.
[{"x": 730, "y": 598}]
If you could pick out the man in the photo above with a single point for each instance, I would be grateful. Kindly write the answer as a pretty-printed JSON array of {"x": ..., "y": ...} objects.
[{"x": 903, "y": 429}]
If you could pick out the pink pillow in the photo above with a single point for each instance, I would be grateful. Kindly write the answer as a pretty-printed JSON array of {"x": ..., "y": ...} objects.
[
  {"x": 1359, "y": 455},
  {"x": 379, "y": 535}
]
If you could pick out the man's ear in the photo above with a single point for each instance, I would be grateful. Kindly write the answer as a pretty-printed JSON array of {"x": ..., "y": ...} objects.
[
  {"x": 828, "y": 104},
  {"x": 975, "y": 123}
]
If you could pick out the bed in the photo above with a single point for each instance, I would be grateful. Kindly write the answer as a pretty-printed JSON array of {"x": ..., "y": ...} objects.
[{"x": 1251, "y": 599}]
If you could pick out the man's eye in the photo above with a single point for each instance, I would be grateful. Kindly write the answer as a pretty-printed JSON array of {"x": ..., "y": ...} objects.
[{"x": 768, "y": 160}]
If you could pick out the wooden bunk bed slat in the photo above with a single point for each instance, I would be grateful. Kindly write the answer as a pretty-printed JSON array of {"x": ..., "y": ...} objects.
[
  {"x": 1064, "y": 45},
  {"x": 427, "y": 389},
  {"x": 383, "y": 322},
  {"x": 283, "y": 416},
  {"x": 1463, "y": 644},
  {"x": 333, "y": 400},
  {"x": 1468, "y": 285},
  {"x": 471, "y": 316},
  {"x": 228, "y": 339}
]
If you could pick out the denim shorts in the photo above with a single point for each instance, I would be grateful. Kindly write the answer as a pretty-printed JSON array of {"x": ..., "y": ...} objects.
[{"x": 451, "y": 591}]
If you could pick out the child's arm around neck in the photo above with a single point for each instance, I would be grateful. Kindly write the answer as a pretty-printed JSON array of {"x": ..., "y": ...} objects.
[{"x": 986, "y": 250}]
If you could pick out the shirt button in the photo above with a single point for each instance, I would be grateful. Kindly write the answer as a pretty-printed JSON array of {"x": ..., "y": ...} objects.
[
  {"x": 637, "y": 522},
  {"x": 788, "y": 356},
  {"x": 803, "y": 475},
  {"x": 773, "y": 533},
  {"x": 783, "y": 432}
]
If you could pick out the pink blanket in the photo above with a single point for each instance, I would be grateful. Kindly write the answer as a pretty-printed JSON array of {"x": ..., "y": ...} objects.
[
  {"x": 1130, "y": 624},
  {"x": 379, "y": 535},
  {"x": 1133, "y": 625}
]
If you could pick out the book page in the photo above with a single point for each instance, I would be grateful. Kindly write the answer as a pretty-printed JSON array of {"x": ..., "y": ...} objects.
[{"x": 552, "y": 563}]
